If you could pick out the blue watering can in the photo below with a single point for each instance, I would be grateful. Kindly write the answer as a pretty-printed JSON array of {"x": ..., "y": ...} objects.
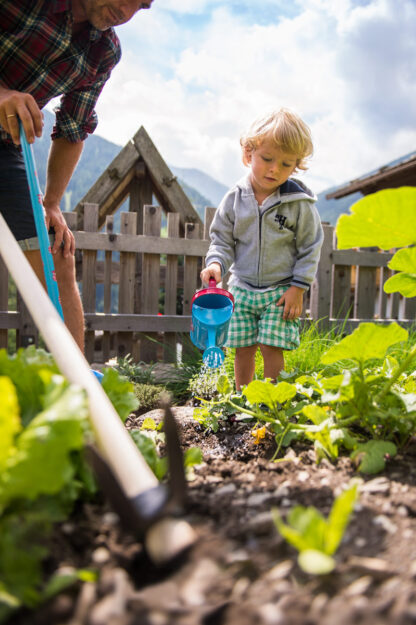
[{"x": 211, "y": 313}]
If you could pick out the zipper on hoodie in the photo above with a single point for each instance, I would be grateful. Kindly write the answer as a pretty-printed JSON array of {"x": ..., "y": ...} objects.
[{"x": 261, "y": 215}]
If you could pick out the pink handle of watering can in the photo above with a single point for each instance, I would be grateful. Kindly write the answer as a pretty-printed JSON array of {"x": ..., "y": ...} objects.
[{"x": 212, "y": 282}]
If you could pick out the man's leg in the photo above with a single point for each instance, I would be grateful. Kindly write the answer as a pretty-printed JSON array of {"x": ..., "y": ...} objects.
[
  {"x": 68, "y": 291},
  {"x": 244, "y": 365}
]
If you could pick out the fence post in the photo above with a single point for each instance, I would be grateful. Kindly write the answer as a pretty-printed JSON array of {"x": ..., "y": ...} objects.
[
  {"x": 89, "y": 266},
  {"x": 150, "y": 281},
  {"x": 365, "y": 290},
  {"x": 190, "y": 280},
  {"x": 108, "y": 283},
  {"x": 171, "y": 288},
  {"x": 341, "y": 302},
  {"x": 128, "y": 225},
  {"x": 321, "y": 287}
]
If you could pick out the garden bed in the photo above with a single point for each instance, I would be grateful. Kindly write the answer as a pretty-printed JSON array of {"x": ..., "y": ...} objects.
[{"x": 241, "y": 571}]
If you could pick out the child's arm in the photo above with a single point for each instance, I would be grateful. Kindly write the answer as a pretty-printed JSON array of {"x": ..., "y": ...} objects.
[
  {"x": 212, "y": 271},
  {"x": 292, "y": 300}
]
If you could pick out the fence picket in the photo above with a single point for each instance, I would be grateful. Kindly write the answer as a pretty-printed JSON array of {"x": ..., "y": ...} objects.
[
  {"x": 150, "y": 282},
  {"x": 128, "y": 225},
  {"x": 108, "y": 265},
  {"x": 171, "y": 289},
  {"x": 89, "y": 261}
]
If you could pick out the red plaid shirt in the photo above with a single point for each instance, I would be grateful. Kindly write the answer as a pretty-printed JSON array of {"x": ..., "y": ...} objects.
[{"x": 39, "y": 55}]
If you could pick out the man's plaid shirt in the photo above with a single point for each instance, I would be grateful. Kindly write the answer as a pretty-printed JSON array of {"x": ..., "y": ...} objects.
[{"x": 38, "y": 55}]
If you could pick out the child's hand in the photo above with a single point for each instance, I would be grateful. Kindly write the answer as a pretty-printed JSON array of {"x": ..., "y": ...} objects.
[
  {"x": 212, "y": 271},
  {"x": 292, "y": 300}
]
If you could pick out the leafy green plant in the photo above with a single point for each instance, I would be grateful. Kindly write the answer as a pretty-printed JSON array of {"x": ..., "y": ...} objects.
[
  {"x": 148, "y": 395},
  {"x": 149, "y": 439},
  {"x": 138, "y": 372},
  {"x": 316, "y": 538},
  {"x": 177, "y": 381},
  {"x": 204, "y": 384},
  {"x": 44, "y": 427},
  {"x": 360, "y": 410},
  {"x": 385, "y": 219}
]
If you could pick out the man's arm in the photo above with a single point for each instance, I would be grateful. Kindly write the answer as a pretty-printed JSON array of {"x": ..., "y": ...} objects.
[{"x": 63, "y": 158}]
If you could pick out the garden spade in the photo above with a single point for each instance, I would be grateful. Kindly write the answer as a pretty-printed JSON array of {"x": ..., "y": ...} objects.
[{"x": 151, "y": 507}]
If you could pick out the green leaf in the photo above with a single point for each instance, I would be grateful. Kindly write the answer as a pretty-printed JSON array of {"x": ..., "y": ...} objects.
[
  {"x": 148, "y": 424},
  {"x": 120, "y": 392},
  {"x": 366, "y": 342},
  {"x": 323, "y": 441},
  {"x": 339, "y": 517},
  {"x": 9, "y": 418},
  {"x": 148, "y": 449},
  {"x": 31, "y": 370},
  {"x": 404, "y": 260},
  {"x": 260, "y": 392},
  {"x": 385, "y": 219},
  {"x": 310, "y": 523},
  {"x": 42, "y": 463},
  {"x": 223, "y": 385},
  {"x": 371, "y": 455},
  {"x": 315, "y": 413},
  {"x": 291, "y": 535},
  {"x": 315, "y": 562},
  {"x": 405, "y": 282},
  {"x": 61, "y": 581},
  {"x": 193, "y": 456}
]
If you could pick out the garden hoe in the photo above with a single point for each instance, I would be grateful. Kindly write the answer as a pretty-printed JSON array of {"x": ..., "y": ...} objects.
[{"x": 148, "y": 509}]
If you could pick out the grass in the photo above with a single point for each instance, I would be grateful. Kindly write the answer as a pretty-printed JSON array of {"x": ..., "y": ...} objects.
[
  {"x": 190, "y": 378},
  {"x": 305, "y": 359}
]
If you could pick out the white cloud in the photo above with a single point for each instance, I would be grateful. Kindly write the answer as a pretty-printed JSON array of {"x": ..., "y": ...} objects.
[{"x": 347, "y": 67}]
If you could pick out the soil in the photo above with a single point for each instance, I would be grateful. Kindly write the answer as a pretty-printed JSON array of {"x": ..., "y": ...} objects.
[{"x": 241, "y": 572}]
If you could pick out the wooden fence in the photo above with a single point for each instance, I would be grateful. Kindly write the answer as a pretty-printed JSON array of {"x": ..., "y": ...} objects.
[{"x": 145, "y": 285}]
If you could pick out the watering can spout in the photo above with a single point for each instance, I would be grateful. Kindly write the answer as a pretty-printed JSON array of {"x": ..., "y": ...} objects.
[{"x": 211, "y": 313}]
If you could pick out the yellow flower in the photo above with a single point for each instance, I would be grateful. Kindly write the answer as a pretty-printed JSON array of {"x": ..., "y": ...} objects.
[{"x": 258, "y": 434}]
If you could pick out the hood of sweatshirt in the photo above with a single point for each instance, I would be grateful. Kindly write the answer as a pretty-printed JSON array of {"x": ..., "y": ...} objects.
[{"x": 290, "y": 191}]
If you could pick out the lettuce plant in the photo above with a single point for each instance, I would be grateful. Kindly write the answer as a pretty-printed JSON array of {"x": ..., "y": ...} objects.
[{"x": 316, "y": 538}]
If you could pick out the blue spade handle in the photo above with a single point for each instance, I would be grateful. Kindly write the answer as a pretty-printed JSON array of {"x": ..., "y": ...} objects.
[{"x": 37, "y": 207}]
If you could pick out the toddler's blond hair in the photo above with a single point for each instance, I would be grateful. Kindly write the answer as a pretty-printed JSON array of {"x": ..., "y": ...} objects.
[{"x": 286, "y": 128}]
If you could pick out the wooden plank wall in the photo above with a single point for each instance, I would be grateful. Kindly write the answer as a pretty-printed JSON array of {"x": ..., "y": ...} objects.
[{"x": 147, "y": 314}]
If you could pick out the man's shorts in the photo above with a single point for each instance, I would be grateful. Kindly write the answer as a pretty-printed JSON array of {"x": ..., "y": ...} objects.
[
  {"x": 257, "y": 319},
  {"x": 15, "y": 204}
]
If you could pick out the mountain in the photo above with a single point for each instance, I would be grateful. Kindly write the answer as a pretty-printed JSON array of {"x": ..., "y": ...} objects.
[
  {"x": 96, "y": 156},
  {"x": 206, "y": 185},
  {"x": 330, "y": 210}
]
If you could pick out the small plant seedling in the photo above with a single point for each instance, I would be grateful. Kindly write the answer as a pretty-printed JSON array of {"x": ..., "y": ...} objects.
[{"x": 315, "y": 537}]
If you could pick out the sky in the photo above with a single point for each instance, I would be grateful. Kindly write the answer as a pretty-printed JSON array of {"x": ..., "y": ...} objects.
[{"x": 196, "y": 73}]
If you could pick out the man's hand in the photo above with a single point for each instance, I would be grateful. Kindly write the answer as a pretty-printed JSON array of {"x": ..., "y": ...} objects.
[
  {"x": 212, "y": 271},
  {"x": 292, "y": 300},
  {"x": 15, "y": 105},
  {"x": 55, "y": 219}
]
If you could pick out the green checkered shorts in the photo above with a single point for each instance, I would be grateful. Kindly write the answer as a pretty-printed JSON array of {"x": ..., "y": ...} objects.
[{"x": 257, "y": 319}]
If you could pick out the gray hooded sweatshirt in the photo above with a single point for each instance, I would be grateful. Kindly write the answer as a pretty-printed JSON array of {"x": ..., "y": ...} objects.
[{"x": 264, "y": 247}]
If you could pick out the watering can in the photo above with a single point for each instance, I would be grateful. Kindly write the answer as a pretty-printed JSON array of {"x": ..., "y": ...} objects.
[{"x": 211, "y": 313}]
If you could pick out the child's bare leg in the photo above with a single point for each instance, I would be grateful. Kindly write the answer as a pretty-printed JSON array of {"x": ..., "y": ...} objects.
[
  {"x": 244, "y": 365},
  {"x": 274, "y": 361}
]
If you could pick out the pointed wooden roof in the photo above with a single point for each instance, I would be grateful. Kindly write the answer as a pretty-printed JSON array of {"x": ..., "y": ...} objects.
[{"x": 138, "y": 159}]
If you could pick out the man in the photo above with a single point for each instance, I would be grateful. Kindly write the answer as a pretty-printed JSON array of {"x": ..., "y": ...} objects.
[{"x": 50, "y": 48}]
